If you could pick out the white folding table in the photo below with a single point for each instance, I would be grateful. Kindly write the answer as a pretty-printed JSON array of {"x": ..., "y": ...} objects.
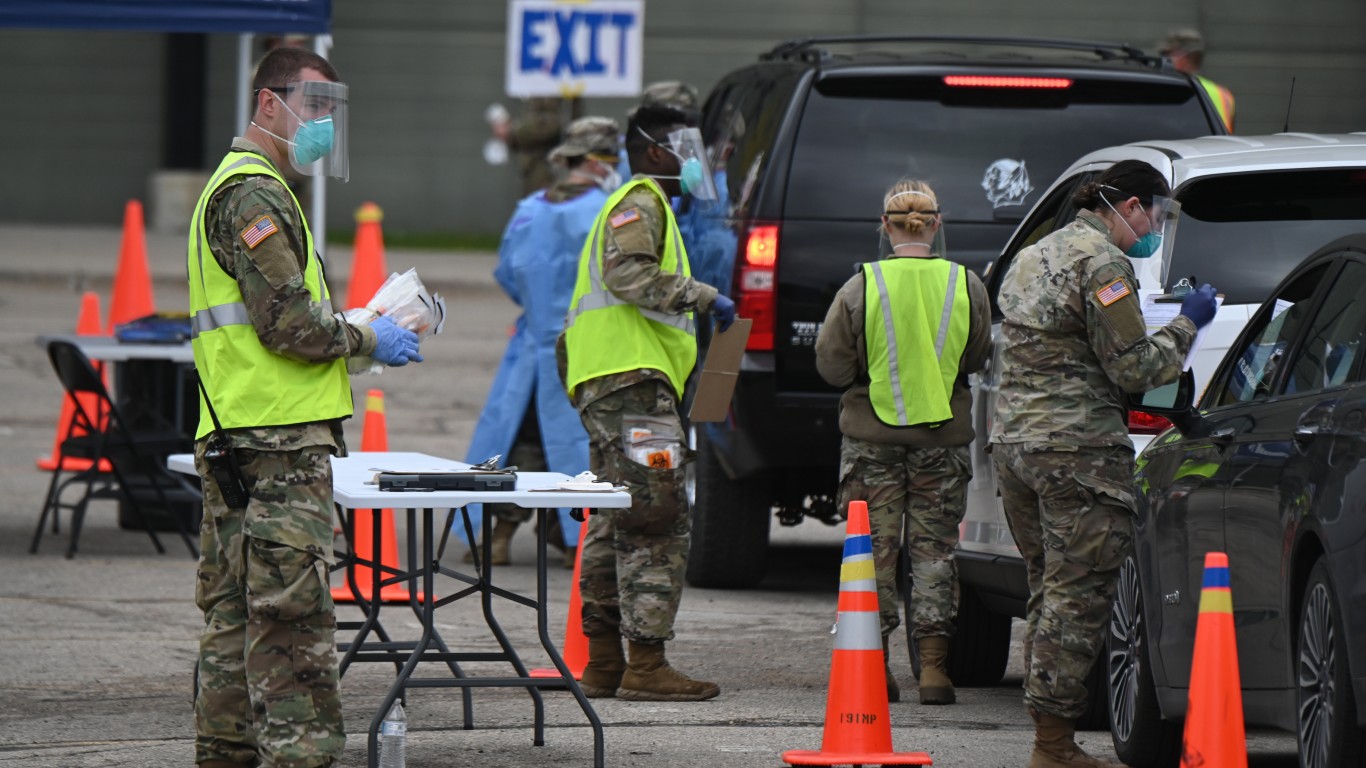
[{"x": 353, "y": 489}]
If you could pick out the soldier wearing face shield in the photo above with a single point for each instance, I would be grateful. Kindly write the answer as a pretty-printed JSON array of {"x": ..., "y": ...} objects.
[
  {"x": 1073, "y": 342},
  {"x": 271, "y": 357},
  {"x": 527, "y": 418},
  {"x": 628, "y": 347}
]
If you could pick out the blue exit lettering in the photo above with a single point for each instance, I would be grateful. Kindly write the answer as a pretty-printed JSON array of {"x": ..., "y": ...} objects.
[{"x": 566, "y": 23}]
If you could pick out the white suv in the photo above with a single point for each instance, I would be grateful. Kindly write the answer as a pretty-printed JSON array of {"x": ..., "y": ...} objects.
[{"x": 1251, "y": 207}]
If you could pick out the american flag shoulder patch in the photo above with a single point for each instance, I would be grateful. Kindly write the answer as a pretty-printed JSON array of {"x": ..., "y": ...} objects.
[
  {"x": 1112, "y": 292},
  {"x": 625, "y": 217},
  {"x": 254, "y": 234}
]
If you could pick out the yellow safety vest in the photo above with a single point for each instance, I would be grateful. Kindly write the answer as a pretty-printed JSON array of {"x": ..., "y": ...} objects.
[
  {"x": 605, "y": 334},
  {"x": 250, "y": 385},
  {"x": 916, "y": 319},
  {"x": 1222, "y": 98}
]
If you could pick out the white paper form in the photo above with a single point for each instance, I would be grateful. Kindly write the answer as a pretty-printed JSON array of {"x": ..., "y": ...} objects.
[{"x": 1157, "y": 314}]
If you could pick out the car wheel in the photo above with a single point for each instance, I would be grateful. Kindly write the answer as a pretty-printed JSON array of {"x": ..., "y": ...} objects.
[
  {"x": 980, "y": 648},
  {"x": 1142, "y": 738},
  {"x": 1327, "y": 731},
  {"x": 730, "y": 523}
]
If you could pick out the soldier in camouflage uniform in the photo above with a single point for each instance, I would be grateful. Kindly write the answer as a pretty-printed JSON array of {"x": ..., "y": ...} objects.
[
  {"x": 914, "y": 478},
  {"x": 633, "y": 559},
  {"x": 1073, "y": 341},
  {"x": 268, "y": 678},
  {"x": 534, "y": 134}
]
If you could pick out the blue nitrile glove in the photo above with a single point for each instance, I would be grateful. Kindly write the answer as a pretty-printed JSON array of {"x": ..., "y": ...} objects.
[
  {"x": 394, "y": 346},
  {"x": 1200, "y": 305},
  {"x": 724, "y": 311}
]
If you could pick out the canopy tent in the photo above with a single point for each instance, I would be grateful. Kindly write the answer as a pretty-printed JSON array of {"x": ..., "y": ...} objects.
[
  {"x": 272, "y": 16},
  {"x": 243, "y": 17}
]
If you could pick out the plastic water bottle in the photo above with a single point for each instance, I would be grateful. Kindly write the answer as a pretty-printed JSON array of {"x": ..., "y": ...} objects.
[{"x": 393, "y": 738}]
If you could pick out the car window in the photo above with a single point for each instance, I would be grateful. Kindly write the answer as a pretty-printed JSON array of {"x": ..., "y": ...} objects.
[
  {"x": 1244, "y": 232},
  {"x": 1253, "y": 374},
  {"x": 1330, "y": 347},
  {"x": 750, "y": 117},
  {"x": 988, "y": 152}
]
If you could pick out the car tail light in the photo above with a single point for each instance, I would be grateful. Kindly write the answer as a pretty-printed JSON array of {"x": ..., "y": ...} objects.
[
  {"x": 1141, "y": 423},
  {"x": 754, "y": 280},
  {"x": 997, "y": 81}
]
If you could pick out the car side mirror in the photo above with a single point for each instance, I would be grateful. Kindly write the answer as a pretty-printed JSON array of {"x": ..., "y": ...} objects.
[{"x": 1174, "y": 402}]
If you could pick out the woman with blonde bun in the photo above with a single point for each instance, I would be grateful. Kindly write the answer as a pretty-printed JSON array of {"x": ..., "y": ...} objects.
[{"x": 902, "y": 335}]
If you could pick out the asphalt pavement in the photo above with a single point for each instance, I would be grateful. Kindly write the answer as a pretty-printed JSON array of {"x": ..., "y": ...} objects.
[{"x": 97, "y": 652}]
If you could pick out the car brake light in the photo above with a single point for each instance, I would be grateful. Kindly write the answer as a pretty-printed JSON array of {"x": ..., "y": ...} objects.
[
  {"x": 1141, "y": 423},
  {"x": 756, "y": 297},
  {"x": 996, "y": 81}
]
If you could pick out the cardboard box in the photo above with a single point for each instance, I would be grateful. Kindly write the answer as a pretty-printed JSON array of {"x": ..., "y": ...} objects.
[{"x": 717, "y": 382}]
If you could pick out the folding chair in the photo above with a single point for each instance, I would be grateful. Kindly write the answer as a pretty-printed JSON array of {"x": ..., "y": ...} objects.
[{"x": 135, "y": 458}]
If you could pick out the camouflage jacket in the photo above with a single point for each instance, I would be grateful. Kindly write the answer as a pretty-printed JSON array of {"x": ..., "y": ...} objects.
[
  {"x": 270, "y": 276},
  {"x": 1073, "y": 341},
  {"x": 842, "y": 360},
  {"x": 631, "y": 258}
]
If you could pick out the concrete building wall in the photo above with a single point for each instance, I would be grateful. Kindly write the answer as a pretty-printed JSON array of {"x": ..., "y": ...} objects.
[{"x": 86, "y": 112}]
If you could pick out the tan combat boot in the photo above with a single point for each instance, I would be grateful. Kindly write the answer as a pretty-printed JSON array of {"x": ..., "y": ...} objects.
[
  {"x": 893, "y": 690},
  {"x": 1054, "y": 746},
  {"x": 501, "y": 540},
  {"x": 571, "y": 555},
  {"x": 935, "y": 685},
  {"x": 606, "y": 664},
  {"x": 650, "y": 678}
]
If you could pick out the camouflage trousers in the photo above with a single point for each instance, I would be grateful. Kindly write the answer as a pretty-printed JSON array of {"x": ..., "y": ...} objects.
[
  {"x": 268, "y": 677},
  {"x": 1071, "y": 513},
  {"x": 921, "y": 494},
  {"x": 631, "y": 572}
]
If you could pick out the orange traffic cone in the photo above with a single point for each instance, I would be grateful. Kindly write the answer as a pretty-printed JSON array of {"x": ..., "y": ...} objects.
[
  {"x": 575, "y": 649},
  {"x": 133, "y": 280},
  {"x": 858, "y": 728},
  {"x": 374, "y": 437},
  {"x": 367, "y": 264},
  {"x": 87, "y": 324},
  {"x": 1214, "y": 736}
]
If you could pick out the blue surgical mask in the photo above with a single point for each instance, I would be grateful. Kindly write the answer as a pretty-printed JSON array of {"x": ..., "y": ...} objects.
[
  {"x": 1146, "y": 246},
  {"x": 691, "y": 175},
  {"x": 313, "y": 140}
]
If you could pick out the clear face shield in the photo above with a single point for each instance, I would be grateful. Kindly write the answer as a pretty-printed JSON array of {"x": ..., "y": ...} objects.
[
  {"x": 694, "y": 175},
  {"x": 1166, "y": 214},
  {"x": 318, "y": 128}
]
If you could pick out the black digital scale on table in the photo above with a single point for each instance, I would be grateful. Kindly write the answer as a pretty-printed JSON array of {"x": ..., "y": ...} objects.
[{"x": 447, "y": 480}]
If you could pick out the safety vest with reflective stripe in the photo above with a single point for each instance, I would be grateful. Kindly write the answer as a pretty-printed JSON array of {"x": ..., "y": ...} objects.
[
  {"x": 605, "y": 334},
  {"x": 1222, "y": 98},
  {"x": 251, "y": 386},
  {"x": 916, "y": 317}
]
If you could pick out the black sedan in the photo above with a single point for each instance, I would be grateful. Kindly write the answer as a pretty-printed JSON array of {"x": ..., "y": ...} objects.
[{"x": 1271, "y": 468}]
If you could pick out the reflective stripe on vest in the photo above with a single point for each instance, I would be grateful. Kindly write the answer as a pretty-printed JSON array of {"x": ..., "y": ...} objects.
[
  {"x": 907, "y": 302},
  {"x": 275, "y": 390},
  {"x": 605, "y": 334}
]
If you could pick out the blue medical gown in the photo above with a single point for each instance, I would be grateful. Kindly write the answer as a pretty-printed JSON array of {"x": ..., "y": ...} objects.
[
  {"x": 709, "y": 238},
  {"x": 538, "y": 263}
]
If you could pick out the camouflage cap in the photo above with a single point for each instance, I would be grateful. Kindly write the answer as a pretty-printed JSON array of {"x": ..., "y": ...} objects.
[
  {"x": 1183, "y": 40},
  {"x": 589, "y": 135},
  {"x": 673, "y": 93},
  {"x": 670, "y": 93}
]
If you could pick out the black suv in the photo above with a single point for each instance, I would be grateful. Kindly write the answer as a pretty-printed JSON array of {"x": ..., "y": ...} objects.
[{"x": 806, "y": 142}]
